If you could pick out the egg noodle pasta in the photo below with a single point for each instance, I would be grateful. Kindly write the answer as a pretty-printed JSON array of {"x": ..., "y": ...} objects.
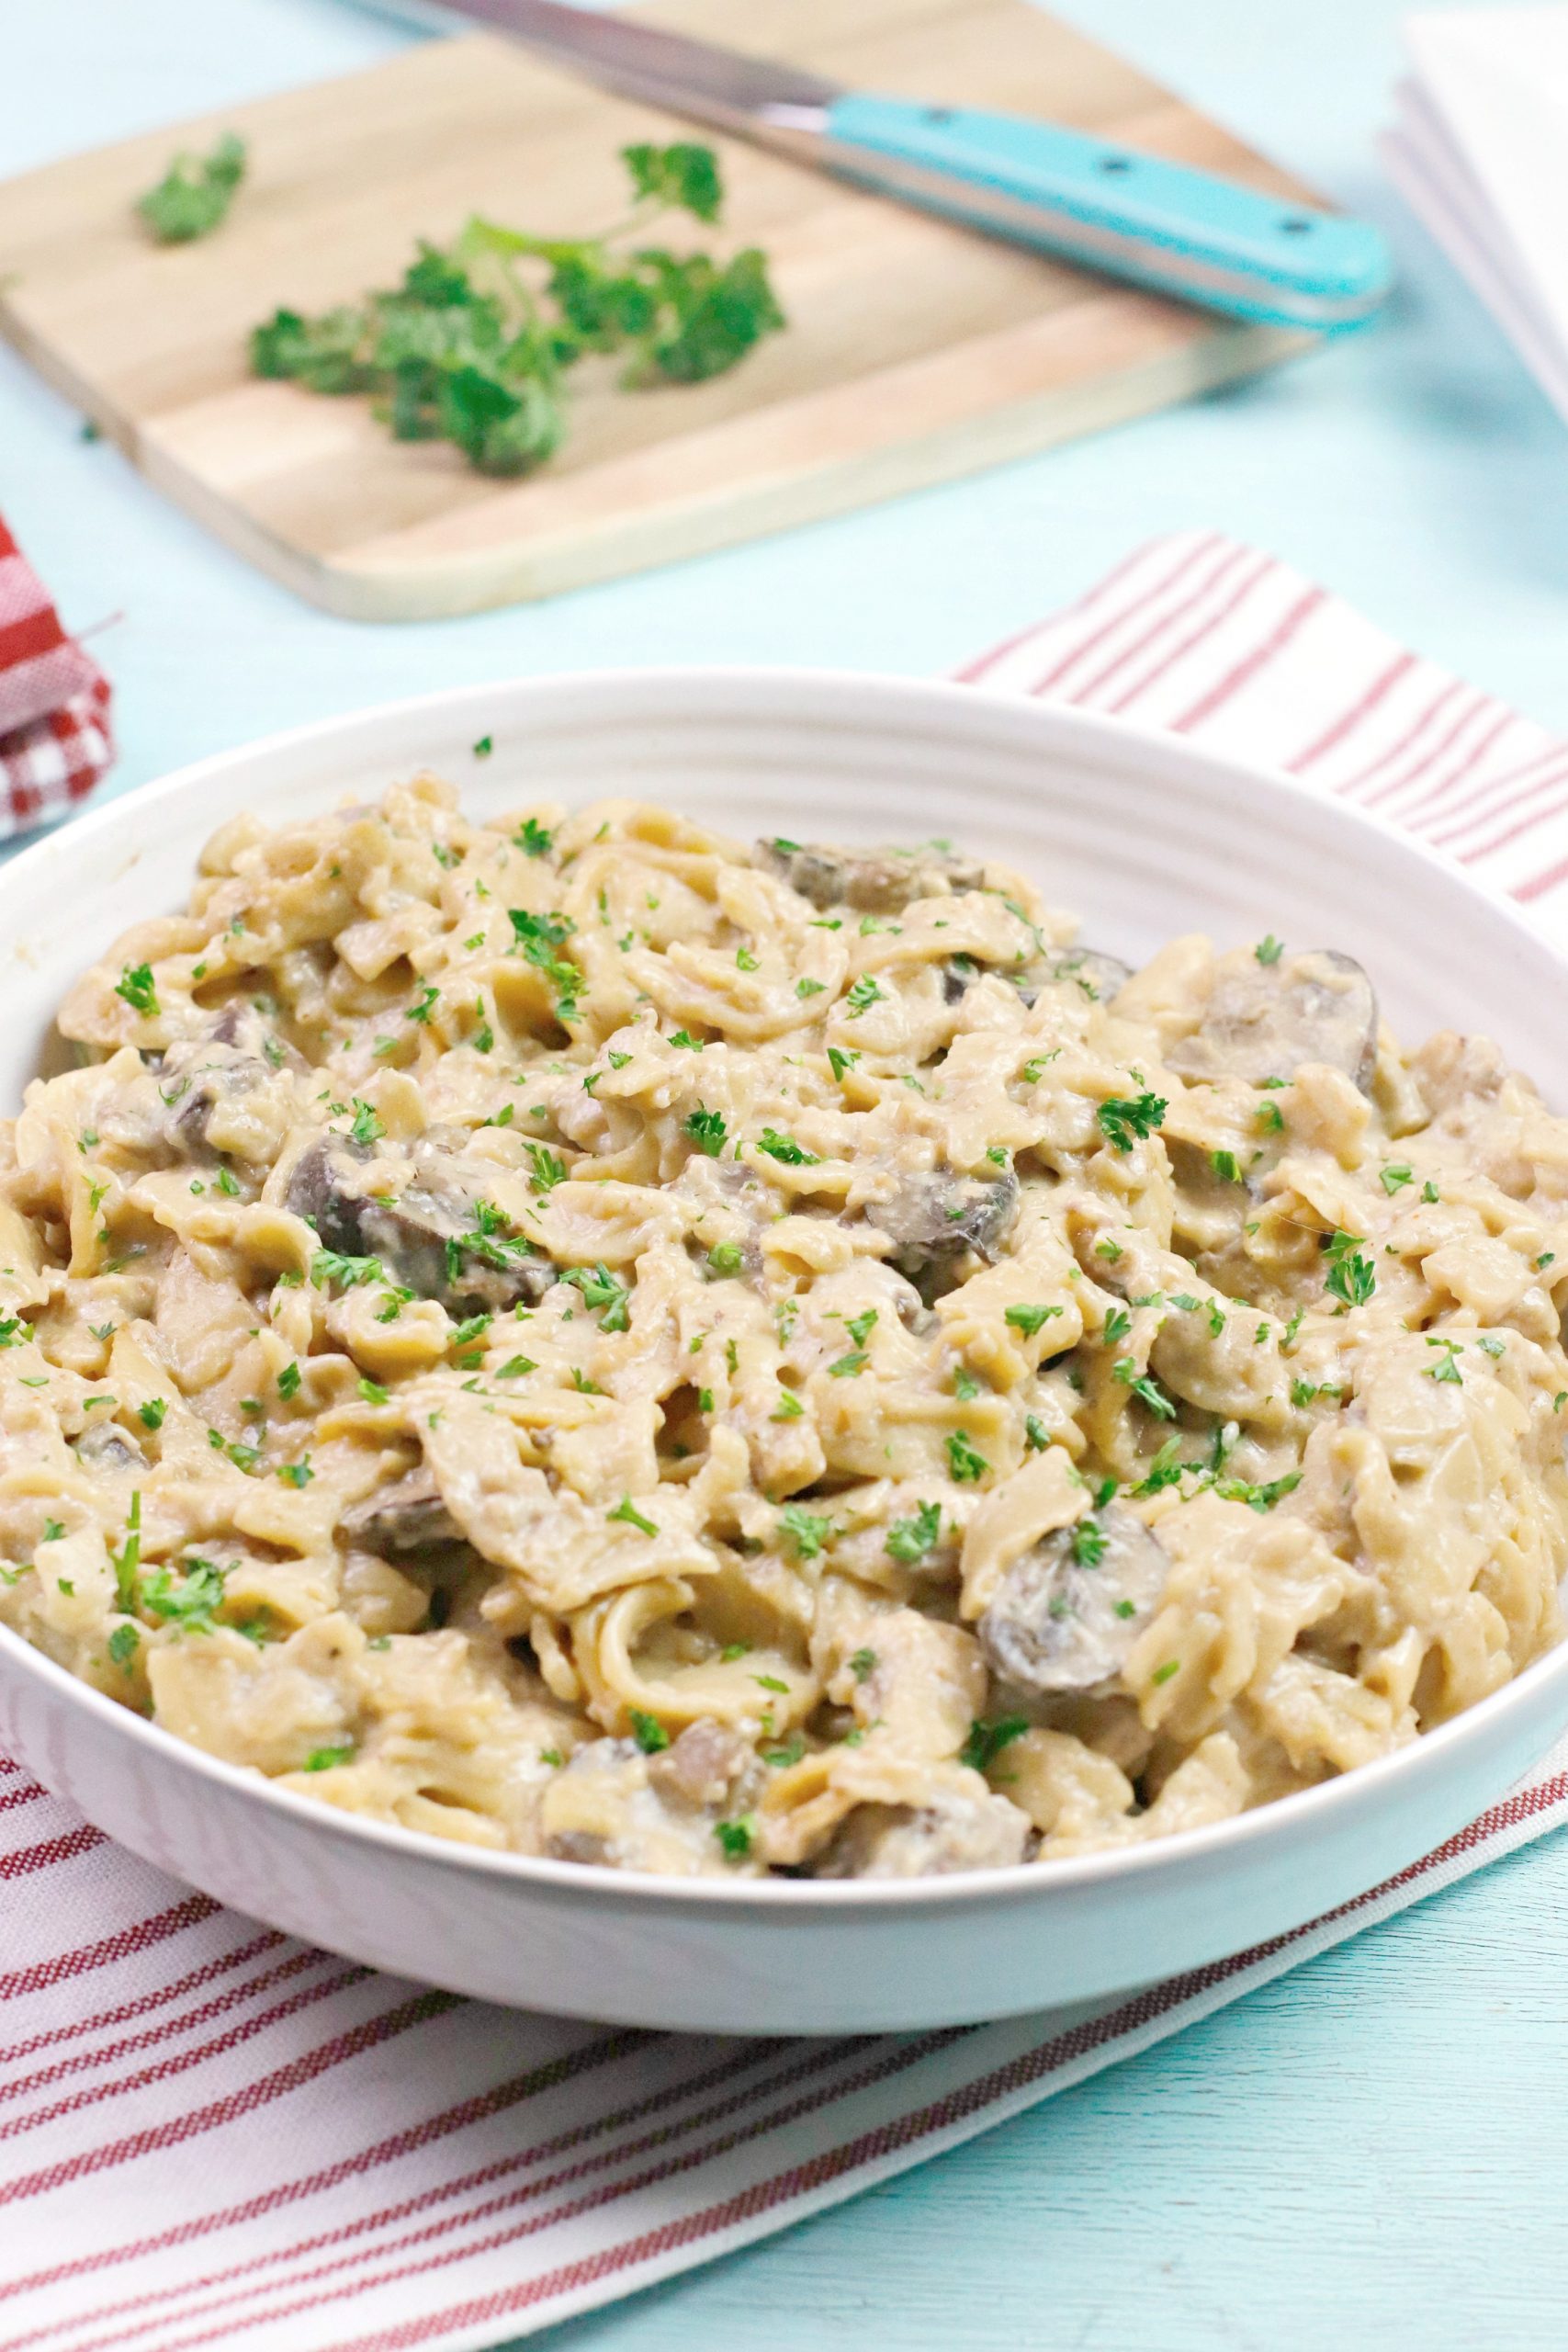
[{"x": 580, "y": 1338}]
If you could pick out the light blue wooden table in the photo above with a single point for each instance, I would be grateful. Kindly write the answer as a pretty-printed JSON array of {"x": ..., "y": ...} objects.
[{"x": 1370, "y": 2152}]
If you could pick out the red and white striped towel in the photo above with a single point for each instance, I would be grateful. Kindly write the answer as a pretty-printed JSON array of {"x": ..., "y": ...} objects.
[
  {"x": 54, "y": 704},
  {"x": 1214, "y": 640},
  {"x": 212, "y": 2135}
]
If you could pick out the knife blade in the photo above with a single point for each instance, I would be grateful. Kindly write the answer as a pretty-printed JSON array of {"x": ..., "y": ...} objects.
[{"x": 1206, "y": 238}]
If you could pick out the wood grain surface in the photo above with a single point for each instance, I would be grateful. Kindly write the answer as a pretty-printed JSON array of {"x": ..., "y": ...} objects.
[{"x": 915, "y": 350}]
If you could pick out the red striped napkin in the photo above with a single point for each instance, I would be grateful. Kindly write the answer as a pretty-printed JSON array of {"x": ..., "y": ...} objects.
[
  {"x": 54, "y": 704},
  {"x": 212, "y": 2135},
  {"x": 1214, "y": 640}
]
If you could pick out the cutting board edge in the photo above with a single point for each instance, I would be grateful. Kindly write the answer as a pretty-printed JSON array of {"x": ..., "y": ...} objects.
[{"x": 448, "y": 588}]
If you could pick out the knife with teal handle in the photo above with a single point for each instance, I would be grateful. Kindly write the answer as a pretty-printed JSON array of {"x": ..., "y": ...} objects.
[{"x": 1189, "y": 233}]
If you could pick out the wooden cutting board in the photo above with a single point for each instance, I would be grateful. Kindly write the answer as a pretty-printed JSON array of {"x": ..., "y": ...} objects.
[{"x": 915, "y": 350}]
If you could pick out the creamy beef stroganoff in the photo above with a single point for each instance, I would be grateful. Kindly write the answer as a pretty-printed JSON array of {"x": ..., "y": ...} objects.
[{"x": 592, "y": 1340}]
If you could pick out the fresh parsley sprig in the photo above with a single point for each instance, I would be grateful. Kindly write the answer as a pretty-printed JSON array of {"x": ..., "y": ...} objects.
[{"x": 475, "y": 345}]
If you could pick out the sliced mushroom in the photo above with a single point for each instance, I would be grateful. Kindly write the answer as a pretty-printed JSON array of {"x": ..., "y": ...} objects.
[
  {"x": 408, "y": 1515},
  {"x": 952, "y": 1833},
  {"x": 430, "y": 1238},
  {"x": 1264, "y": 1020},
  {"x": 1101, "y": 977},
  {"x": 1066, "y": 1614},
  {"x": 239, "y": 1055},
  {"x": 613, "y": 1804},
  {"x": 704, "y": 1766},
  {"x": 875, "y": 881},
  {"x": 934, "y": 1220},
  {"x": 106, "y": 1447}
]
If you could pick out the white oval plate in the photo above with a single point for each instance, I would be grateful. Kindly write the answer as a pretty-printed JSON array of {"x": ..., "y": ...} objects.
[{"x": 1141, "y": 836}]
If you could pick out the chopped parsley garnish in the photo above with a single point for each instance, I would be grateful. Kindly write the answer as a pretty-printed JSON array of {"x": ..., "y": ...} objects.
[
  {"x": 1028, "y": 1319},
  {"x": 684, "y": 1039},
  {"x": 725, "y": 1256},
  {"x": 548, "y": 1168},
  {"x": 484, "y": 747},
  {"x": 125, "y": 1563},
  {"x": 1270, "y": 950},
  {"x": 1270, "y": 1118},
  {"x": 600, "y": 1288},
  {"x": 1351, "y": 1275},
  {"x": 985, "y": 1742},
  {"x": 1263, "y": 1498},
  {"x": 533, "y": 839},
  {"x": 1088, "y": 1544},
  {"x": 1393, "y": 1177},
  {"x": 372, "y": 1391},
  {"x": 806, "y": 1530},
  {"x": 909, "y": 1539},
  {"x": 864, "y": 993},
  {"x": 1226, "y": 1166},
  {"x": 707, "y": 1129},
  {"x": 859, "y": 1327},
  {"x": 323, "y": 1759},
  {"x": 838, "y": 1061},
  {"x": 296, "y": 1474},
  {"x": 1036, "y": 1433},
  {"x": 627, "y": 1511},
  {"x": 862, "y": 1664},
  {"x": 1446, "y": 1368},
  {"x": 124, "y": 1643},
  {"x": 289, "y": 1380},
  {"x": 1165, "y": 1470},
  {"x": 1124, "y": 1118},
  {"x": 367, "y": 1125},
  {"x": 424, "y": 1004},
  {"x": 785, "y": 1148},
  {"x": 190, "y": 1602},
  {"x": 151, "y": 1415},
  {"x": 135, "y": 984},
  {"x": 536, "y": 939},
  {"x": 849, "y": 1367},
  {"x": 1144, "y": 1386},
  {"x": 735, "y": 1837},
  {"x": 1117, "y": 1323},
  {"x": 809, "y": 987},
  {"x": 329, "y": 1266},
  {"x": 790, "y": 1407},
  {"x": 1163, "y": 1673},
  {"x": 649, "y": 1732},
  {"x": 964, "y": 1462}
]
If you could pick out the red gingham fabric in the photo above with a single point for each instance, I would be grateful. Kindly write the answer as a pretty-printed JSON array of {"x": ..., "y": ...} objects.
[
  {"x": 212, "y": 2135},
  {"x": 55, "y": 741}
]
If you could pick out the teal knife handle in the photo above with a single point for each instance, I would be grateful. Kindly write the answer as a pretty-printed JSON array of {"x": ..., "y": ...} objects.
[{"x": 1186, "y": 232}]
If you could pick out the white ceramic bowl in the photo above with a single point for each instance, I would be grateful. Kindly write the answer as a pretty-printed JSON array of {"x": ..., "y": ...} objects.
[{"x": 1143, "y": 836}]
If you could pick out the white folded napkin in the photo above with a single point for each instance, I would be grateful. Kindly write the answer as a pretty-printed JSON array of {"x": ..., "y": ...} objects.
[
  {"x": 1479, "y": 150},
  {"x": 215, "y": 2136}
]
